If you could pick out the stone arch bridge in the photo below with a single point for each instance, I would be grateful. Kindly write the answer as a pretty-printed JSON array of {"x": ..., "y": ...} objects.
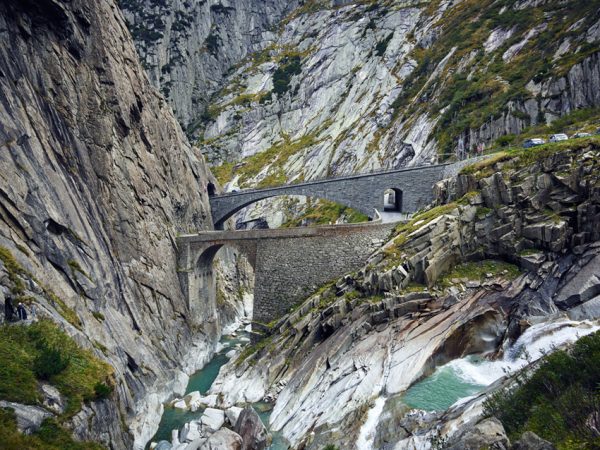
[
  {"x": 363, "y": 192},
  {"x": 291, "y": 263}
]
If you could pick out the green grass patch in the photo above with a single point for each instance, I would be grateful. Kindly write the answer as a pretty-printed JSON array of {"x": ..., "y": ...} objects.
[
  {"x": 557, "y": 400},
  {"x": 14, "y": 269},
  {"x": 76, "y": 268},
  {"x": 478, "y": 270},
  {"x": 274, "y": 158},
  {"x": 43, "y": 352},
  {"x": 324, "y": 212},
  {"x": 519, "y": 158}
]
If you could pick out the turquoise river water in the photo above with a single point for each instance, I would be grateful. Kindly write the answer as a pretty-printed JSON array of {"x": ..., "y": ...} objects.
[{"x": 201, "y": 381}]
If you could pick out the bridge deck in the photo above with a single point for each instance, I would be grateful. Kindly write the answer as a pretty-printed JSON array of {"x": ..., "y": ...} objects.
[
  {"x": 278, "y": 233},
  {"x": 321, "y": 181}
]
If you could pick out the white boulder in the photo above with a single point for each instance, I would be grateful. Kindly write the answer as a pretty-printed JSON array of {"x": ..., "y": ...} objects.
[{"x": 213, "y": 418}]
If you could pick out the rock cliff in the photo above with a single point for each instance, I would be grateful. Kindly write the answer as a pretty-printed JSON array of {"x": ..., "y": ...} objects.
[
  {"x": 339, "y": 87},
  {"x": 189, "y": 47},
  {"x": 96, "y": 180},
  {"x": 510, "y": 250}
]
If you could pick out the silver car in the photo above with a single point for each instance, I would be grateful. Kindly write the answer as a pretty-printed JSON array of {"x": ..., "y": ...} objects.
[
  {"x": 559, "y": 137},
  {"x": 534, "y": 142},
  {"x": 581, "y": 135}
]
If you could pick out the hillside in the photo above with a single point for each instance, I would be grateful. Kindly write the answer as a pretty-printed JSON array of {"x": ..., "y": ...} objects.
[{"x": 368, "y": 84}]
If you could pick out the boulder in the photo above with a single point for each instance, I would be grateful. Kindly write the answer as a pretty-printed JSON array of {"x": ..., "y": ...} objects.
[
  {"x": 163, "y": 445},
  {"x": 488, "y": 434},
  {"x": 531, "y": 441},
  {"x": 233, "y": 414},
  {"x": 180, "y": 404},
  {"x": 224, "y": 439},
  {"x": 192, "y": 397},
  {"x": 52, "y": 398},
  {"x": 213, "y": 418},
  {"x": 29, "y": 418},
  {"x": 190, "y": 432},
  {"x": 251, "y": 429}
]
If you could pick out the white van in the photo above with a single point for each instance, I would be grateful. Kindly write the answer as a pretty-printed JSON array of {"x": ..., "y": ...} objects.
[{"x": 559, "y": 137}]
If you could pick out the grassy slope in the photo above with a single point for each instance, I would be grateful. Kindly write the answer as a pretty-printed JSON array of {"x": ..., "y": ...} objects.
[{"x": 41, "y": 352}]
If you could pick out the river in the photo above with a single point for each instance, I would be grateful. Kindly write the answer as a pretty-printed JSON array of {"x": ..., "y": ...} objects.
[{"x": 201, "y": 381}]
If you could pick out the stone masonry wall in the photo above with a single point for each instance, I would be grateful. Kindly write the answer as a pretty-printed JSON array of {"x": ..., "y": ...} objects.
[{"x": 289, "y": 264}]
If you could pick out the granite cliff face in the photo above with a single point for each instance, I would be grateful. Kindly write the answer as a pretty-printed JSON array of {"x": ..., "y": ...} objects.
[
  {"x": 189, "y": 47},
  {"x": 96, "y": 179},
  {"x": 342, "y": 87}
]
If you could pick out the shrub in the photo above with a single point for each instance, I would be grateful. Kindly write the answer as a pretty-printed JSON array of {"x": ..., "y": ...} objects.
[
  {"x": 381, "y": 46},
  {"x": 49, "y": 362},
  {"x": 557, "y": 400},
  {"x": 102, "y": 390},
  {"x": 289, "y": 66},
  {"x": 43, "y": 351},
  {"x": 50, "y": 436}
]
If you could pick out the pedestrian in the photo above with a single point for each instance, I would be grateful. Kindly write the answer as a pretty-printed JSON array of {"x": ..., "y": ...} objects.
[
  {"x": 9, "y": 309},
  {"x": 21, "y": 312}
]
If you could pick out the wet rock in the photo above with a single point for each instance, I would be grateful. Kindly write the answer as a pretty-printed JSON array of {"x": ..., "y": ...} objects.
[
  {"x": 488, "y": 434},
  {"x": 162, "y": 445}
]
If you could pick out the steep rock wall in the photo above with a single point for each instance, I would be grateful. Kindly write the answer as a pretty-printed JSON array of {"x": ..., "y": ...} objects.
[
  {"x": 188, "y": 47},
  {"x": 96, "y": 179}
]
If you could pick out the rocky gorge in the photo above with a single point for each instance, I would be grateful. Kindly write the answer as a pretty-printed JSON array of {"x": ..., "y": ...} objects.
[
  {"x": 97, "y": 179},
  {"x": 99, "y": 102},
  {"x": 506, "y": 251}
]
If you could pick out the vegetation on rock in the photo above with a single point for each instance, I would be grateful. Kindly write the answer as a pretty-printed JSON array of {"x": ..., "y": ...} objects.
[
  {"x": 558, "y": 401},
  {"x": 43, "y": 352},
  {"x": 50, "y": 436}
]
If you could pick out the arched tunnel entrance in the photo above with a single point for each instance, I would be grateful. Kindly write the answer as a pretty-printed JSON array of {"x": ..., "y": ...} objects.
[
  {"x": 392, "y": 200},
  {"x": 222, "y": 287}
]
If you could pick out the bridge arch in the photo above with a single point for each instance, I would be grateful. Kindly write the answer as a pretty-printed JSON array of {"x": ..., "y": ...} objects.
[
  {"x": 198, "y": 278},
  {"x": 255, "y": 199}
]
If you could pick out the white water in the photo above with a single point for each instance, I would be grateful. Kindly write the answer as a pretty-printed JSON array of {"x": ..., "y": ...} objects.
[
  {"x": 366, "y": 435},
  {"x": 531, "y": 345}
]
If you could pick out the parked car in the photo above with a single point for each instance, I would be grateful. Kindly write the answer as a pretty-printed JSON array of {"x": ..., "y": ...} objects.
[
  {"x": 581, "y": 135},
  {"x": 534, "y": 142},
  {"x": 559, "y": 137}
]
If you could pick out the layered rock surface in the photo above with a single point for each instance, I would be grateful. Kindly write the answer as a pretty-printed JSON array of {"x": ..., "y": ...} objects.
[
  {"x": 350, "y": 350},
  {"x": 96, "y": 179}
]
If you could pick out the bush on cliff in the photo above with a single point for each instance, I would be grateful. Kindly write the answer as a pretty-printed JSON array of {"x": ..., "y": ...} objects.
[
  {"x": 50, "y": 436},
  {"x": 560, "y": 401},
  {"x": 43, "y": 352}
]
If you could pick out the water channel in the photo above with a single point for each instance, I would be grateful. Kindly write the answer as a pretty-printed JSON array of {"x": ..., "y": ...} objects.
[{"x": 175, "y": 419}]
